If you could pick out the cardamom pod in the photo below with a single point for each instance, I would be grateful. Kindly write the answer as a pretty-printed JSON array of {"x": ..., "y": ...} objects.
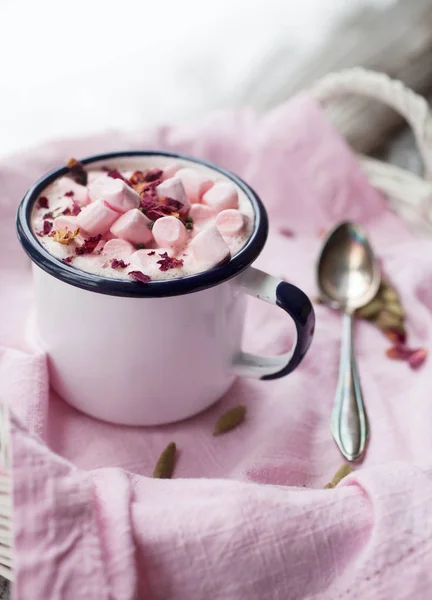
[
  {"x": 165, "y": 465},
  {"x": 342, "y": 472},
  {"x": 230, "y": 420},
  {"x": 370, "y": 310},
  {"x": 387, "y": 320},
  {"x": 395, "y": 308},
  {"x": 389, "y": 294},
  {"x": 318, "y": 300}
]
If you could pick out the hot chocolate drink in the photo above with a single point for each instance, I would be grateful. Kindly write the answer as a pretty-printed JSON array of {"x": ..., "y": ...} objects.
[{"x": 147, "y": 218}]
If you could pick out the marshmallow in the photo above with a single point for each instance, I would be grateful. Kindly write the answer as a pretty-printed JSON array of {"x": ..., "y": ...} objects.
[
  {"x": 65, "y": 222},
  {"x": 97, "y": 217},
  {"x": 80, "y": 193},
  {"x": 133, "y": 227},
  {"x": 170, "y": 170},
  {"x": 174, "y": 189},
  {"x": 221, "y": 196},
  {"x": 209, "y": 248},
  {"x": 200, "y": 213},
  {"x": 140, "y": 260},
  {"x": 195, "y": 183},
  {"x": 115, "y": 192},
  {"x": 116, "y": 248},
  {"x": 230, "y": 222},
  {"x": 170, "y": 232}
]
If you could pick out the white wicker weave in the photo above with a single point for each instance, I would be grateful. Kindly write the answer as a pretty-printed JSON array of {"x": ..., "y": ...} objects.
[{"x": 409, "y": 195}]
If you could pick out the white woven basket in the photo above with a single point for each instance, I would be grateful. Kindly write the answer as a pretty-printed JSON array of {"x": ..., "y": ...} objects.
[{"x": 409, "y": 196}]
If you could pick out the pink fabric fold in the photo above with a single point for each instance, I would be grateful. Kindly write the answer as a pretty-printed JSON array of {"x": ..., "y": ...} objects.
[{"x": 245, "y": 516}]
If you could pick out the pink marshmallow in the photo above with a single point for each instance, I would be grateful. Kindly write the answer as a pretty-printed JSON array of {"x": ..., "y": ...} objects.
[
  {"x": 170, "y": 232},
  {"x": 209, "y": 248},
  {"x": 80, "y": 193},
  {"x": 116, "y": 248},
  {"x": 97, "y": 217},
  {"x": 174, "y": 189},
  {"x": 170, "y": 170},
  {"x": 221, "y": 196},
  {"x": 140, "y": 260},
  {"x": 230, "y": 222},
  {"x": 195, "y": 183},
  {"x": 65, "y": 222},
  {"x": 115, "y": 192},
  {"x": 200, "y": 213},
  {"x": 133, "y": 227}
]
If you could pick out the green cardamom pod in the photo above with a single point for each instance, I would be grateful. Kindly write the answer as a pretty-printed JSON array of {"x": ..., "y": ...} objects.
[
  {"x": 395, "y": 308},
  {"x": 342, "y": 472},
  {"x": 387, "y": 320},
  {"x": 165, "y": 465},
  {"x": 389, "y": 294},
  {"x": 370, "y": 310},
  {"x": 230, "y": 420}
]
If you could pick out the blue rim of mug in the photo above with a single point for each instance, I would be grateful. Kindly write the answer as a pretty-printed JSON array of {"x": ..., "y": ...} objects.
[{"x": 154, "y": 289}]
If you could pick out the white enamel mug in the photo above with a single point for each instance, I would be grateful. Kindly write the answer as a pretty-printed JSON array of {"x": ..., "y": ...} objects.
[{"x": 148, "y": 354}]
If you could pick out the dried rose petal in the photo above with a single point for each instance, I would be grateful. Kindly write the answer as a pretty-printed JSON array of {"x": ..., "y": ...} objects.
[
  {"x": 68, "y": 259},
  {"x": 48, "y": 215},
  {"x": 153, "y": 174},
  {"x": 175, "y": 205},
  {"x": 118, "y": 264},
  {"x": 76, "y": 208},
  {"x": 88, "y": 246},
  {"x": 397, "y": 336},
  {"x": 139, "y": 276},
  {"x": 74, "y": 211},
  {"x": 417, "y": 358},
  {"x": 47, "y": 226},
  {"x": 169, "y": 262},
  {"x": 46, "y": 230},
  {"x": 43, "y": 202},
  {"x": 77, "y": 171},
  {"x": 152, "y": 253},
  {"x": 69, "y": 194},
  {"x": 399, "y": 352},
  {"x": 286, "y": 232},
  {"x": 115, "y": 174}
]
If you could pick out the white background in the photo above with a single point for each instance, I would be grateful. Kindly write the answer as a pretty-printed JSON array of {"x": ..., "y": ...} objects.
[{"x": 81, "y": 66}]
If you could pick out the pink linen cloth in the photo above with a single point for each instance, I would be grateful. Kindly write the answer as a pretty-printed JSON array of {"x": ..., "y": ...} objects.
[{"x": 245, "y": 516}]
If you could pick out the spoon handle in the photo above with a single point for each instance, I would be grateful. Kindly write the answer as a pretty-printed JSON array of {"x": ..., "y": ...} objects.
[{"x": 349, "y": 424}]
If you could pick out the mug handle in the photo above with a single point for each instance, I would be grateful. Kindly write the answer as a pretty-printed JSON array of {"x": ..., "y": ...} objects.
[{"x": 292, "y": 300}]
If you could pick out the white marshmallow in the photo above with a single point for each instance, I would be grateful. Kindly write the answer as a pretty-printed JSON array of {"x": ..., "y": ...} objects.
[
  {"x": 174, "y": 189},
  {"x": 221, "y": 196},
  {"x": 170, "y": 232},
  {"x": 195, "y": 183},
  {"x": 65, "y": 222},
  {"x": 115, "y": 192},
  {"x": 133, "y": 227},
  {"x": 200, "y": 214},
  {"x": 97, "y": 217},
  {"x": 117, "y": 248},
  {"x": 170, "y": 170},
  {"x": 230, "y": 222},
  {"x": 140, "y": 260},
  {"x": 209, "y": 248}
]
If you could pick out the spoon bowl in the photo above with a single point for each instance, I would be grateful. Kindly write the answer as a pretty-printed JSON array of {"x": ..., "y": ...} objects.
[{"x": 348, "y": 273}]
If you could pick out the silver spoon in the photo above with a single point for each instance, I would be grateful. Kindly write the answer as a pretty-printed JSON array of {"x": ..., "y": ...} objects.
[{"x": 348, "y": 278}]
